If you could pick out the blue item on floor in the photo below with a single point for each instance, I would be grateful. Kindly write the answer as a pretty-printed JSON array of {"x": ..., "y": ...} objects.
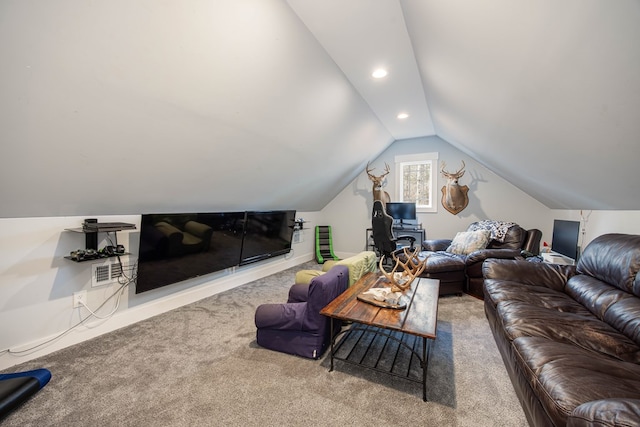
[{"x": 18, "y": 387}]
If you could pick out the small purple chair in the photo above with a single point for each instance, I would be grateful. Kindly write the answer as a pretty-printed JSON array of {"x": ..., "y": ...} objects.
[{"x": 297, "y": 327}]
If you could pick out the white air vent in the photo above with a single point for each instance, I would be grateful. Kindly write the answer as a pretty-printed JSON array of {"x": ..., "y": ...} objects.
[
  {"x": 108, "y": 272},
  {"x": 102, "y": 274}
]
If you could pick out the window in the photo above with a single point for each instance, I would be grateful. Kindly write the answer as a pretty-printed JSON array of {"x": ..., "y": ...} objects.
[{"x": 416, "y": 178}]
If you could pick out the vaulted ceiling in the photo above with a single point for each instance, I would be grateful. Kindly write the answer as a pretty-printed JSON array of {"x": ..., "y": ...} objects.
[
  {"x": 120, "y": 107},
  {"x": 544, "y": 93}
]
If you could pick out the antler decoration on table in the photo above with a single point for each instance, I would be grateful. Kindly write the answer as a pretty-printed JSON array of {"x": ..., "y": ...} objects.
[{"x": 401, "y": 280}]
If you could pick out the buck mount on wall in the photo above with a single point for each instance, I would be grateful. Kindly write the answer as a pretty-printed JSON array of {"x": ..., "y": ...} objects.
[
  {"x": 454, "y": 196},
  {"x": 378, "y": 183}
]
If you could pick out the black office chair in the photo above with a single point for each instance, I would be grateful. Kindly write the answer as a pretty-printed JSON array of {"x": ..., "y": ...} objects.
[{"x": 385, "y": 242}]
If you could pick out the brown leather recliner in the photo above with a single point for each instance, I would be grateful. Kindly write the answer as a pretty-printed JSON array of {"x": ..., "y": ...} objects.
[{"x": 458, "y": 273}]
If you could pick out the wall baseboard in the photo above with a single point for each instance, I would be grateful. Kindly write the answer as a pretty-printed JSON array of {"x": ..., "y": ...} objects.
[{"x": 131, "y": 315}]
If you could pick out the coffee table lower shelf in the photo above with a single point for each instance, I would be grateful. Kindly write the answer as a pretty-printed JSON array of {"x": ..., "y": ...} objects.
[{"x": 383, "y": 350}]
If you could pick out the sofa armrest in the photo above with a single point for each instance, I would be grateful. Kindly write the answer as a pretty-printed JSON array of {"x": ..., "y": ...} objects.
[
  {"x": 553, "y": 276},
  {"x": 287, "y": 316},
  {"x": 436, "y": 245},
  {"x": 299, "y": 292},
  {"x": 606, "y": 412}
]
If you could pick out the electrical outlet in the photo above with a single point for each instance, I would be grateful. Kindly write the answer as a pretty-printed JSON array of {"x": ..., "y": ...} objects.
[{"x": 79, "y": 298}]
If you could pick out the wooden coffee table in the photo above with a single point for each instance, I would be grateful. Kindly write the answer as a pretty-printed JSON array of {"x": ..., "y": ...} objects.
[{"x": 418, "y": 319}]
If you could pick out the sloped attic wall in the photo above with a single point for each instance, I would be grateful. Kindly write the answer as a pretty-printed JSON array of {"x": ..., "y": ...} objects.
[
  {"x": 119, "y": 107},
  {"x": 544, "y": 93}
]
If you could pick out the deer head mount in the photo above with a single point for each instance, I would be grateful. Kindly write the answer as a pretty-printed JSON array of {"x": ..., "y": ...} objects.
[
  {"x": 454, "y": 196},
  {"x": 410, "y": 269},
  {"x": 378, "y": 183}
]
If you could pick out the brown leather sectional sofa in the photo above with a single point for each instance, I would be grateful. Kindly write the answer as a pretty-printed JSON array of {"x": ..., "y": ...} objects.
[
  {"x": 570, "y": 335},
  {"x": 463, "y": 273}
]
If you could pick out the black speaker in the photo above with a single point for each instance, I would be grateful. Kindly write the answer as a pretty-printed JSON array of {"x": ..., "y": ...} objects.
[{"x": 91, "y": 239}]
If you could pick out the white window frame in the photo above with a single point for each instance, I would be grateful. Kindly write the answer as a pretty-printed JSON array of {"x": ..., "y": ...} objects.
[{"x": 413, "y": 159}]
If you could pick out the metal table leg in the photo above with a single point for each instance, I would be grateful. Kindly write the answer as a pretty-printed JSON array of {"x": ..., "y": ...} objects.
[{"x": 332, "y": 350}]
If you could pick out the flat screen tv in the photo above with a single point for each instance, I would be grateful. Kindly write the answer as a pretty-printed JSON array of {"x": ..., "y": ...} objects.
[
  {"x": 401, "y": 211},
  {"x": 565, "y": 238},
  {"x": 177, "y": 247},
  {"x": 267, "y": 234}
]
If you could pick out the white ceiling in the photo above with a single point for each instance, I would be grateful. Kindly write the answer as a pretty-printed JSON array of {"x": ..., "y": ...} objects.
[
  {"x": 361, "y": 36},
  {"x": 121, "y": 107}
]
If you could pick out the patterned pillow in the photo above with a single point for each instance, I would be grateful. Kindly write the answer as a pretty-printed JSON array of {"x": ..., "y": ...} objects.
[{"x": 466, "y": 242}]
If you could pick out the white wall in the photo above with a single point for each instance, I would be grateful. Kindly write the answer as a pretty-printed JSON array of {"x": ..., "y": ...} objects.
[
  {"x": 490, "y": 197},
  {"x": 37, "y": 284}
]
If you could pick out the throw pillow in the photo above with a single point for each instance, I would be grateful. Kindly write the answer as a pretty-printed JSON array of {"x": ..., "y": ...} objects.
[{"x": 466, "y": 242}]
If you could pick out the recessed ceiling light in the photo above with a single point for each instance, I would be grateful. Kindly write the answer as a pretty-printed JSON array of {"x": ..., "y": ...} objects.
[
  {"x": 379, "y": 73},
  {"x": 402, "y": 116}
]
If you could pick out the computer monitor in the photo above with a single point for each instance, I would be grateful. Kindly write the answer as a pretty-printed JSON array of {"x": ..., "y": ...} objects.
[
  {"x": 402, "y": 211},
  {"x": 565, "y": 238}
]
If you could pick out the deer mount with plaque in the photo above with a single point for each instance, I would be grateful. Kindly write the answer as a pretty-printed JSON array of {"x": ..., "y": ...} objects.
[
  {"x": 454, "y": 196},
  {"x": 378, "y": 183}
]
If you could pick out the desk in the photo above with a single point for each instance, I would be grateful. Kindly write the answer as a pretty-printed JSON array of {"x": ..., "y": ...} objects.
[
  {"x": 415, "y": 231},
  {"x": 417, "y": 321},
  {"x": 555, "y": 258}
]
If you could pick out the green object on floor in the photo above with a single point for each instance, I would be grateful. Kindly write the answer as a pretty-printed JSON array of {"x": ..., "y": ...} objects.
[{"x": 324, "y": 244}]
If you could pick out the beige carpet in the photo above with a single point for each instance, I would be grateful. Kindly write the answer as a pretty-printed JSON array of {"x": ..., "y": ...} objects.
[{"x": 199, "y": 365}]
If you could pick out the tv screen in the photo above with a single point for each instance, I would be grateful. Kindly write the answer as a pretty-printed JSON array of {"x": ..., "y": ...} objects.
[
  {"x": 401, "y": 211},
  {"x": 176, "y": 247},
  {"x": 267, "y": 234},
  {"x": 565, "y": 238}
]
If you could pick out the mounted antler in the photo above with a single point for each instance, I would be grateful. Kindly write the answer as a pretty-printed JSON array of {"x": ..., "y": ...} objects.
[
  {"x": 402, "y": 280},
  {"x": 378, "y": 179},
  {"x": 378, "y": 183},
  {"x": 454, "y": 195},
  {"x": 453, "y": 176}
]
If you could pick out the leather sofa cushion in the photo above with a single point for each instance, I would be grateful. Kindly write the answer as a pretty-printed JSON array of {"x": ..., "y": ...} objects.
[
  {"x": 548, "y": 275},
  {"x": 625, "y": 316},
  {"x": 614, "y": 259},
  {"x": 580, "y": 330},
  {"x": 498, "y": 291},
  {"x": 565, "y": 376},
  {"x": 438, "y": 262},
  {"x": 618, "y": 308},
  {"x": 606, "y": 412}
]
